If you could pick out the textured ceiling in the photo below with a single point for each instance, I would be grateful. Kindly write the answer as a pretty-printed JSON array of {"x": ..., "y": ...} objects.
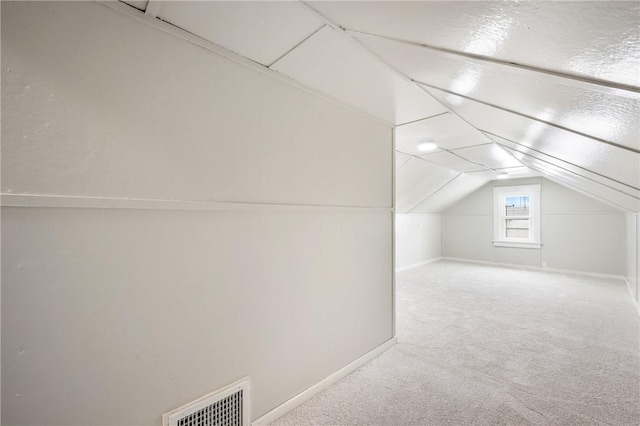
[{"x": 524, "y": 88}]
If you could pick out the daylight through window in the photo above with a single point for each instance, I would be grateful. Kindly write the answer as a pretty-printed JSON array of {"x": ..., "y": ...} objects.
[{"x": 517, "y": 216}]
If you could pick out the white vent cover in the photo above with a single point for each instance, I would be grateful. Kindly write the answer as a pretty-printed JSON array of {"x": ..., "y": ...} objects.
[{"x": 225, "y": 407}]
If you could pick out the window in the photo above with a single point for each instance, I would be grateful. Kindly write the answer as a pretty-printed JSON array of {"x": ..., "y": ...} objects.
[{"x": 516, "y": 216}]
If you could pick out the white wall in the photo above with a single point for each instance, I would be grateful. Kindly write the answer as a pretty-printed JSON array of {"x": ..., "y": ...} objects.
[
  {"x": 633, "y": 255},
  {"x": 577, "y": 233},
  {"x": 637, "y": 290},
  {"x": 418, "y": 239},
  {"x": 117, "y": 308}
]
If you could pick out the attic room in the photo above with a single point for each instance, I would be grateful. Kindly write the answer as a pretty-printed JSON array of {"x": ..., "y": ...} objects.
[{"x": 329, "y": 213}]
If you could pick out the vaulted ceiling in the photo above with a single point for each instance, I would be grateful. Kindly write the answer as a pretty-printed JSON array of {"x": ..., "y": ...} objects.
[{"x": 503, "y": 89}]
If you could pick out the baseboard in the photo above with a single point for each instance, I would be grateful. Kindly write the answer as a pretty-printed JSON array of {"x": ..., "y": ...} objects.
[
  {"x": 636, "y": 304},
  {"x": 415, "y": 265},
  {"x": 537, "y": 268},
  {"x": 306, "y": 395}
]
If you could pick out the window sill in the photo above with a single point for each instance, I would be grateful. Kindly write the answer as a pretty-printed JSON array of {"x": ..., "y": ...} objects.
[{"x": 513, "y": 244}]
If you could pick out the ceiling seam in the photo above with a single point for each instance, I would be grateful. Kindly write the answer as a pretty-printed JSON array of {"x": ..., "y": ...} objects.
[
  {"x": 461, "y": 118},
  {"x": 511, "y": 150},
  {"x": 343, "y": 31},
  {"x": 578, "y": 189},
  {"x": 548, "y": 123},
  {"x": 473, "y": 146},
  {"x": 153, "y": 8},
  {"x": 295, "y": 47},
  {"x": 451, "y": 151},
  {"x": 403, "y": 163},
  {"x": 489, "y": 134},
  {"x": 417, "y": 157},
  {"x": 423, "y": 119},
  {"x": 573, "y": 186},
  {"x": 230, "y": 55},
  {"x": 573, "y": 77},
  {"x": 434, "y": 193},
  {"x": 473, "y": 162}
]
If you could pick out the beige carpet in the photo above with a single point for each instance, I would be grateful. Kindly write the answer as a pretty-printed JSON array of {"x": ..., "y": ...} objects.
[{"x": 482, "y": 345}]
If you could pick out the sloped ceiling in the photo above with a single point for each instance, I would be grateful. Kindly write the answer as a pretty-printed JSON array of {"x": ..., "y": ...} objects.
[{"x": 503, "y": 89}]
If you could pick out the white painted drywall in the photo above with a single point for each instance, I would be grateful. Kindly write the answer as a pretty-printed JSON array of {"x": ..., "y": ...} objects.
[
  {"x": 418, "y": 239},
  {"x": 117, "y": 315},
  {"x": 632, "y": 255},
  {"x": 578, "y": 233}
]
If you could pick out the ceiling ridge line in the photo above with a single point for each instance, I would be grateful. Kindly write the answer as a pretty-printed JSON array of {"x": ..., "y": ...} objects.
[
  {"x": 434, "y": 192},
  {"x": 548, "y": 123},
  {"x": 573, "y": 77},
  {"x": 509, "y": 149},
  {"x": 489, "y": 134}
]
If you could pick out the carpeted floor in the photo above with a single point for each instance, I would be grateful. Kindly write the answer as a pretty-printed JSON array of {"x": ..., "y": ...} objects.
[{"x": 485, "y": 345}]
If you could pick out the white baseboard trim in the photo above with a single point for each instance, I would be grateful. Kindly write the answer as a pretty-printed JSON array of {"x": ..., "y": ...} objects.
[
  {"x": 415, "y": 265},
  {"x": 636, "y": 304},
  {"x": 306, "y": 395},
  {"x": 537, "y": 268}
]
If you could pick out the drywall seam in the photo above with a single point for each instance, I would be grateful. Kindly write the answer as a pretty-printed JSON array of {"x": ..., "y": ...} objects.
[
  {"x": 295, "y": 47},
  {"x": 529, "y": 117},
  {"x": 345, "y": 33},
  {"x": 562, "y": 182},
  {"x": 58, "y": 201},
  {"x": 306, "y": 395},
  {"x": 633, "y": 300},
  {"x": 417, "y": 264},
  {"x": 401, "y": 165},
  {"x": 490, "y": 134},
  {"x": 228, "y": 54},
  {"x": 537, "y": 268},
  {"x": 588, "y": 82},
  {"x": 433, "y": 193},
  {"x": 423, "y": 119},
  {"x": 153, "y": 8}
]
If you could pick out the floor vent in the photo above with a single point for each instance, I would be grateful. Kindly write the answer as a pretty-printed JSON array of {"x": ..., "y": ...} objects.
[{"x": 225, "y": 407}]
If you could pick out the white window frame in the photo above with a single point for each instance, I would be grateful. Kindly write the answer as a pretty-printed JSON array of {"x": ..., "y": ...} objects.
[{"x": 500, "y": 238}]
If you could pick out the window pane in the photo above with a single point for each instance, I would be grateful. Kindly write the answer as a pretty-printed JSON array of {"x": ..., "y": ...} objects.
[
  {"x": 516, "y": 206},
  {"x": 517, "y": 228}
]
